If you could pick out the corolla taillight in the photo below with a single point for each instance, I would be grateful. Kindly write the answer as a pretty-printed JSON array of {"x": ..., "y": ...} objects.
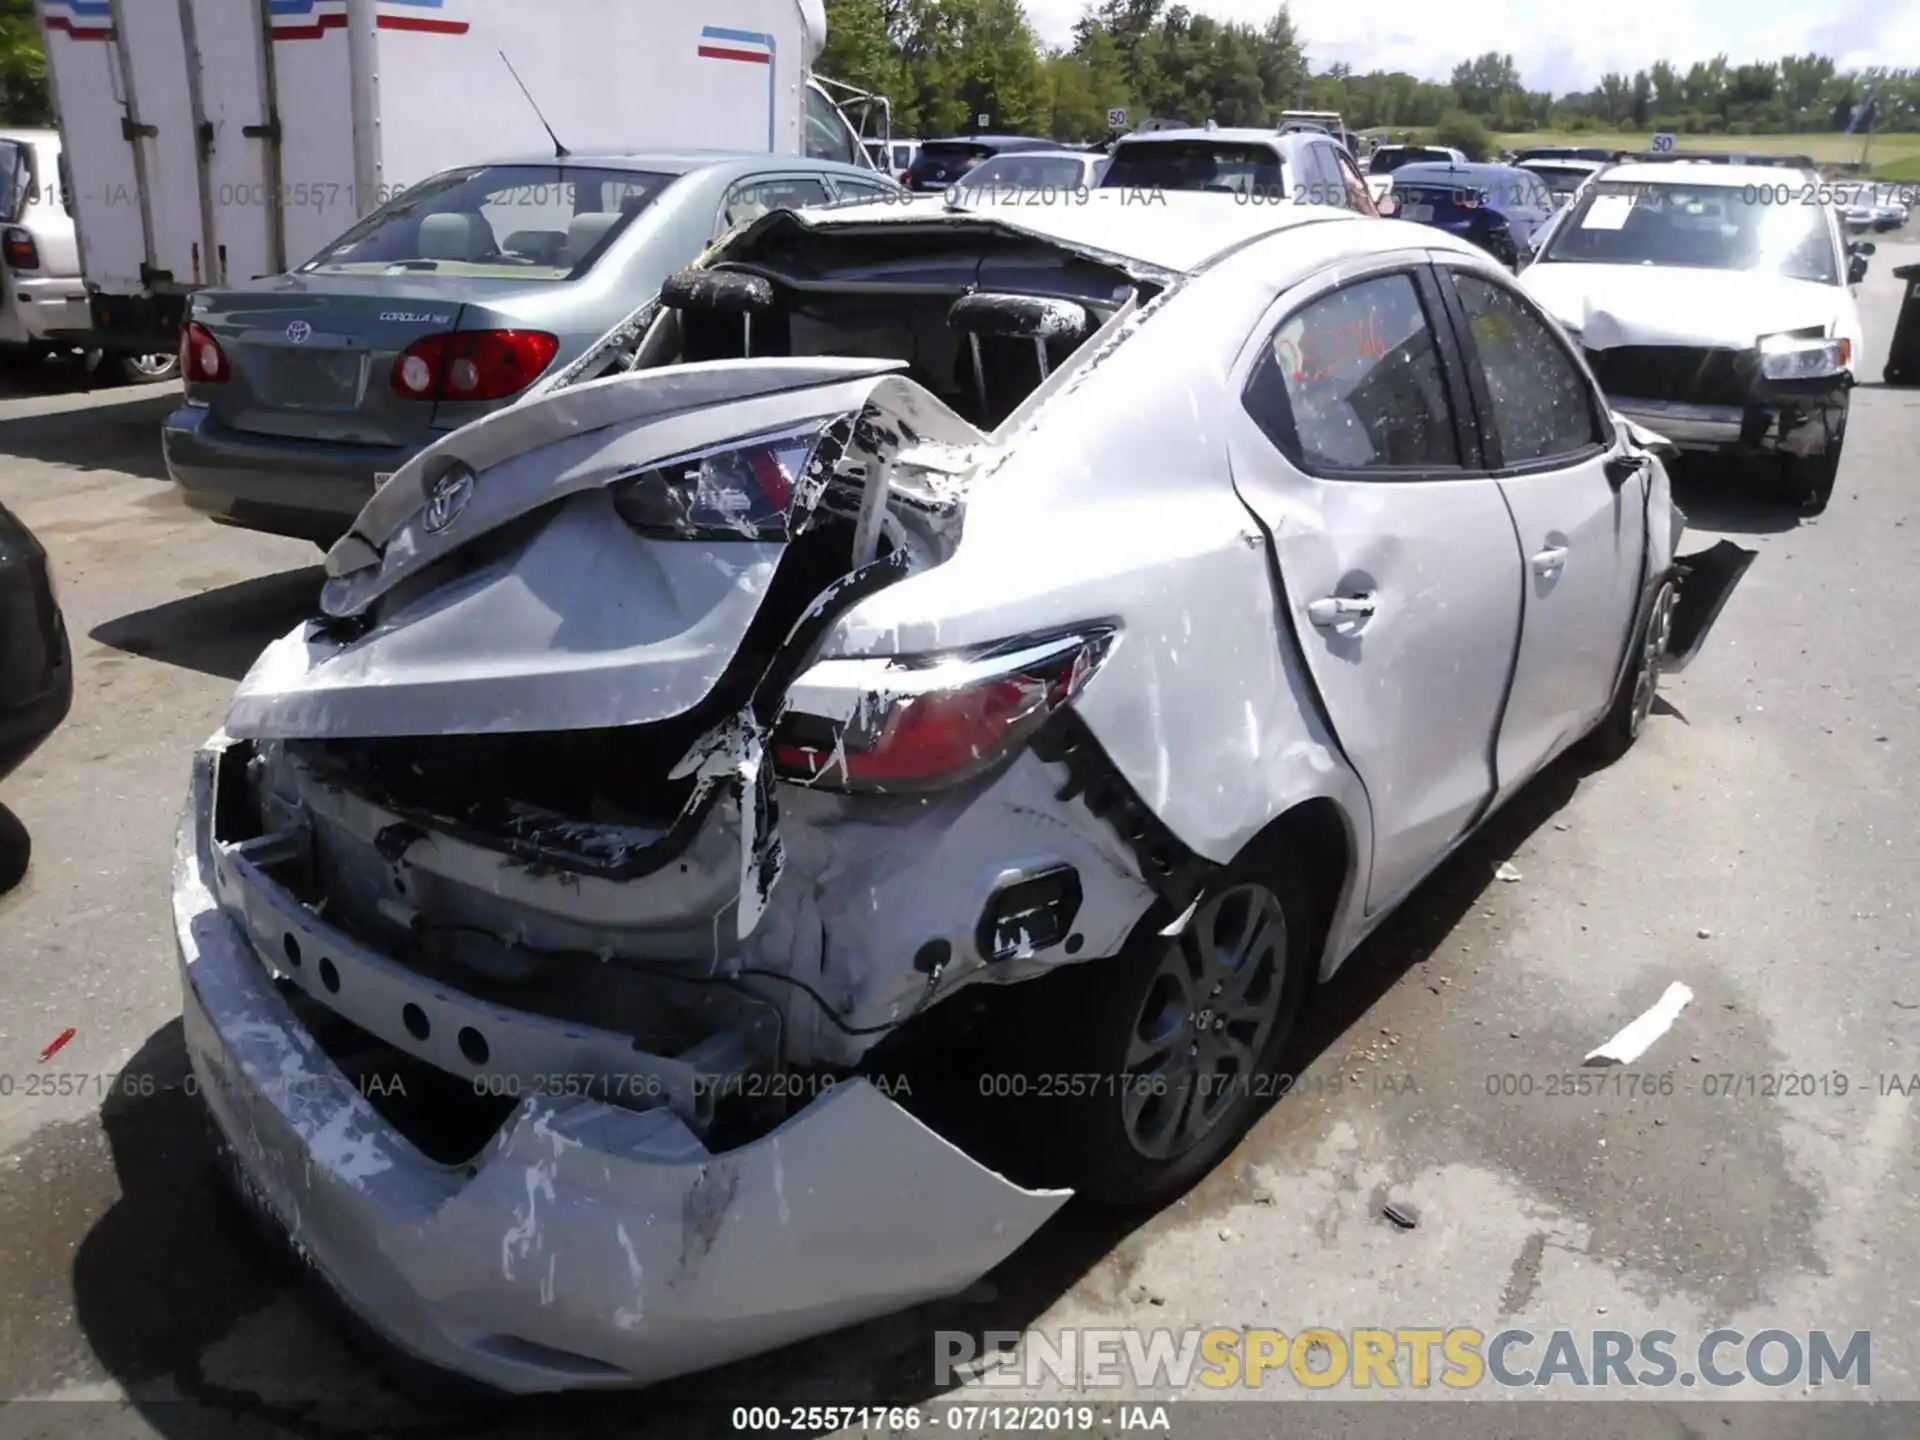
[
  {"x": 928, "y": 722},
  {"x": 743, "y": 490},
  {"x": 202, "y": 361},
  {"x": 473, "y": 364}
]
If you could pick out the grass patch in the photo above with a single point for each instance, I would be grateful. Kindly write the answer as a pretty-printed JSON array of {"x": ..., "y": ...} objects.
[{"x": 1891, "y": 157}]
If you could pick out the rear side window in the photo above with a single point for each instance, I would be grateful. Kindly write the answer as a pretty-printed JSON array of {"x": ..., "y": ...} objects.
[
  {"x": 754, "y": 198},
  {"x": 1542, "y": 405},
  {"x": 1352, "y": 382}
]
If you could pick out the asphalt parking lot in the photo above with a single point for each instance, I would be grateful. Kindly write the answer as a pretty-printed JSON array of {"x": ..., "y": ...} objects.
[{"x": 1759, "y": 846}]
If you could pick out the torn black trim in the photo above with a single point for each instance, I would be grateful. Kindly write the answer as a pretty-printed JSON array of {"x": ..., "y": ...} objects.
[{"x": 1174, "y": 872}]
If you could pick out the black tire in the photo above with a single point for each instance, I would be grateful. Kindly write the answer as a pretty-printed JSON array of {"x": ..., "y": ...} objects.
[
  {"x": 117, "y": 368},
  {"x": 16, "y": 850},
  {"x": 1633, "y": 697},
  {"x": 1806, "y": 481},
  {"x": 1100, "y": 1142}
]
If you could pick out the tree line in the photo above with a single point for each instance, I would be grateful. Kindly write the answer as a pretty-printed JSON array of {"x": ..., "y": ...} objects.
[{"x": 944, "y": 63}]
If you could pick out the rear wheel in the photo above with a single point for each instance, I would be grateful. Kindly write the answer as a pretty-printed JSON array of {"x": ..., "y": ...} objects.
[
  {"x": 1633, "y": 700},
  {"x": 126, "y": 369},
  {"x": 1177, "y": 1037}
]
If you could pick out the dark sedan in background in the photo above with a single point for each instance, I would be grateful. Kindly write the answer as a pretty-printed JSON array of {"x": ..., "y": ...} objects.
[
  {"x": 36, "y": 671},
  {"x": 305, "y": 391},
  {"x": 941, "y": 163},
  {"x": 1497, "y": 207}
]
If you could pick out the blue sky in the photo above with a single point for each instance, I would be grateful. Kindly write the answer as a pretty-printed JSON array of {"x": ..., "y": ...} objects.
[{"x": 1568, "y": 45}]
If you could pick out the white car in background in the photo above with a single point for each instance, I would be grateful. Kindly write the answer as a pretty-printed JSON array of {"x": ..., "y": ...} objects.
[
  {"x": 43, "y": 297},
  {"x": 1563, "y": 178},
  {"x": 1030, "y": 173},
  {"x": 1715, "y": 308}
]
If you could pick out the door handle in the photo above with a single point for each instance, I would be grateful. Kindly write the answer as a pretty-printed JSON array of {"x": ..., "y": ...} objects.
[
  {"x": 1335, "y": 608},
  {"x": 1550, "y": 560}
]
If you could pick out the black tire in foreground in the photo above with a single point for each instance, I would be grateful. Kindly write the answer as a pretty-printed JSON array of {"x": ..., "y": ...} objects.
[{"x": 1173, "y": 1044}]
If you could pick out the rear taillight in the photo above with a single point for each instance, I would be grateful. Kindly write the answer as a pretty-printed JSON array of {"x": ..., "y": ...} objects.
[
  {"x": 924, "y": 724},
  {"x": 473, "y": 364},
  {"x": 21, "y": 252},
  {"x": 201, "y": 358},
  {"x": 742, "y": 491}
]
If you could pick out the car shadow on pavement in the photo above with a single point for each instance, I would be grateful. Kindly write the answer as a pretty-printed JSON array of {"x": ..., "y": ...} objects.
[
  {"x": 119, "y": 433},
  {"x": 218, "y": 632}
]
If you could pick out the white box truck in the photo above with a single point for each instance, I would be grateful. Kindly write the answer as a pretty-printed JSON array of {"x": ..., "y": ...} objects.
[{"x": 217, "y": 140}]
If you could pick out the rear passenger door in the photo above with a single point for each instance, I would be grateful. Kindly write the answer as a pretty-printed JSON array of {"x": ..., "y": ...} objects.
[
  {"x": 1548, "y": 439},
  {"x": 1396, "y": 556}
]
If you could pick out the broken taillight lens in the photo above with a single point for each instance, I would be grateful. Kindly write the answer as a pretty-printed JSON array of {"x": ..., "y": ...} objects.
[
  {"x": 741, "y": 491},
  {"x": 930, "y": 722}
]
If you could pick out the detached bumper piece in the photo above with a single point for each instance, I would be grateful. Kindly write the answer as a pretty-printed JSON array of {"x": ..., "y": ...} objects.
[
  {"x": 586, "y": 1244},
  {"x": 1705, "y": 582}
]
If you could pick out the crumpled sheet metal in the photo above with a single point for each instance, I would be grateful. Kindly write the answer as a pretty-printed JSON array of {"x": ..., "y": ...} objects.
[{"x": 592, "y": 1246}]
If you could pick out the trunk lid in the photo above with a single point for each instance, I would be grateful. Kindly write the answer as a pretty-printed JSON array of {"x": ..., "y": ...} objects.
[
  {"x": 537, "y": 606},
  {"x": 312, "y": 357}
]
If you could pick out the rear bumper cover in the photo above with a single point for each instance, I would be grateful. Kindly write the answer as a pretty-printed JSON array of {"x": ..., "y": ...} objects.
[
  {"x": 309, "y": 489},
  {"x": 587, "y": 1246},
  {"x": 1800, "y": 419}
]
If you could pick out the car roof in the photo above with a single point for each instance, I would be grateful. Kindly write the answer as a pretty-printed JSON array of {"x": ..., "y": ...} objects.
[
  {"x": 1177, "y": 232},
  {"x": 1434, "y": 170},
  {"x": 1050, "y": 155},
  {"x": 1234, "y": 135},
  {"x": 1655, "y": 172},
  {"x": 993, "y": 142},
  {"x": 1576, "y": 162},
  {"x": 677, "y": 162}
]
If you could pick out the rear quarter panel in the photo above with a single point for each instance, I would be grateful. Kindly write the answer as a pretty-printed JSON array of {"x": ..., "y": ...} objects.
[{"x": 1118, "y": 501}]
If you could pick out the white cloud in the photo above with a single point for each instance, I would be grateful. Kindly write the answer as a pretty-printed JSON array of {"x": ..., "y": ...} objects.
[{"x": 1568, "y": 46}]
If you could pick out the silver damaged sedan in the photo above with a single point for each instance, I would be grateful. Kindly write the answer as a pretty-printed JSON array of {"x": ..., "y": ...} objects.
[{"x": 930, "y": 650}]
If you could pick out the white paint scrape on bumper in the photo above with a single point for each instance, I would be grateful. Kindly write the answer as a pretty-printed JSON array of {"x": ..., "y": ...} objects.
[{"x": 587, "y": 1245}]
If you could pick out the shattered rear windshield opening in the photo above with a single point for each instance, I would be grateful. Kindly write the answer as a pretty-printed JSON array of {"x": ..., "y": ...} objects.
[{"x": 885, "y": 293}]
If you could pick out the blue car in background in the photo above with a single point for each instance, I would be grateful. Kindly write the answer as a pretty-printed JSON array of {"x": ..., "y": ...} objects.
[{"x": 1497, "y": 207}]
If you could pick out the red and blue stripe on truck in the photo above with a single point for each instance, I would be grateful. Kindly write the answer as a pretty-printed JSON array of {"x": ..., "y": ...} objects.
[
  {"x": 746, "y": 47},
  {"x": 291, "y": 19}
]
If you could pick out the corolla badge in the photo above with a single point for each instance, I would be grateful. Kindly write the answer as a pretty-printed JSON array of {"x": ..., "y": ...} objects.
[
  {"x": 447, "y": 499},
  {"x": 299, "y": 332}
]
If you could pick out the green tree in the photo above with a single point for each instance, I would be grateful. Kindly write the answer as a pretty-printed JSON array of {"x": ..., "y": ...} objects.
[
  {"x": 25, "y": 98},
  {"x": 1460, "y": 131}
]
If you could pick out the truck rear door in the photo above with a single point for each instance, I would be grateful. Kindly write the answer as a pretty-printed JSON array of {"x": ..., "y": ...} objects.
[{"x": 84, "y": 65}]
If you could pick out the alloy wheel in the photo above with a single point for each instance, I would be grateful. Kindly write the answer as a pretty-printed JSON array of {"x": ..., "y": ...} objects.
[
  {"x": 1205, "y": 1021},
  {"x": 1647, "y": 679}
]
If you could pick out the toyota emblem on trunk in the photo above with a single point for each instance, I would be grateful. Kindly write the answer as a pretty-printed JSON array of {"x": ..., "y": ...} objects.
[
  {"x": 447, "y": 499},
  {"x": 299, "y": 332}
]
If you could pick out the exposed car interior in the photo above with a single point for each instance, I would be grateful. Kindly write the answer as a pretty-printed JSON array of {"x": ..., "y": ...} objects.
[{"x": 894, "y": 294}]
